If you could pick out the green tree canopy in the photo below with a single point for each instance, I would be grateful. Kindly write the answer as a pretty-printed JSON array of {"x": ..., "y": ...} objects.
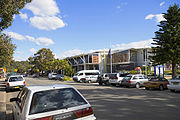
[
  {"x": 42, "y": 60},
  {"x": 8, "y": 8},
  {"x": 167, "y": 39},
  {"x": 6, "y": 50}
]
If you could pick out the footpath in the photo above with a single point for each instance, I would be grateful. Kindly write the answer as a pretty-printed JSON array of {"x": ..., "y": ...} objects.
[{"x": 2, "y": 100}]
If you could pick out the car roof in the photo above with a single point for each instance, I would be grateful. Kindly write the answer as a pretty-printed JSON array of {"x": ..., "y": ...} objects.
[
  {"x": 15, "y": 76},
  {"x": 36, "y": 88}
]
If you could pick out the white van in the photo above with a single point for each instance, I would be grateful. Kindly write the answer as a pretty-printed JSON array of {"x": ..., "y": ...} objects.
[{"x": 86, "y": 76}]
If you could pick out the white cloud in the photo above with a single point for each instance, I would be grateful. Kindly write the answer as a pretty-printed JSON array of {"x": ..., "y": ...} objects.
[
  {"x": 20, "y": 58},
  {"x": 23, "y": 16},
  {"x": 39, "y": 41},
  {"x": 20, "y": 52},
  {"x": 162, "y": 3},
  {"x": 44, "y": 41},
  {"x": 30, "y": 38},
  {"x": 158, "y": 17},
  {"x": 46, "y": 15},
  {"x": 118, "y": 7},
  {"x": 16, "y": 36},
  {"x": 33, "y": 50},
  {"x": 43, "y": 7},
  {"x": 70, "y": 53},
  {"x": 139, "y": 44},
  {"x": 47, "y": 22}
]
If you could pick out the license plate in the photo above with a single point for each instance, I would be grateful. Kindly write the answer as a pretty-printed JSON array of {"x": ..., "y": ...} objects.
[
  {"x": 16, "y": 87},
  {"x": 175, "y": 83}
]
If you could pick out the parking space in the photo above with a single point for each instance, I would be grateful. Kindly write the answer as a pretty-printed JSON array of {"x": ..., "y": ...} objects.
[{"x": 117, "y": 103}]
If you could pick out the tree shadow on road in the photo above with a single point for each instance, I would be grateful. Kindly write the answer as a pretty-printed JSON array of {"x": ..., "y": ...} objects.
[{"x": 132, "y": 104}]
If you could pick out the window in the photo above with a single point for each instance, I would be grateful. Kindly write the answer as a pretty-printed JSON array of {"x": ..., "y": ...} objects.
[
  {"x": 13, "y": 79},
  {"x": 80, "y": 74},
  {"x": 135, "y": 77},
  {"x": 92, "y": 73},
  {"x": 50, "y": 100},
  {"x": 21, "y": 98}
]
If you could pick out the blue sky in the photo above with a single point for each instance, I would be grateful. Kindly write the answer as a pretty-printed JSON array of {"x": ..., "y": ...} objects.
[{"x": 71, "y": 27}]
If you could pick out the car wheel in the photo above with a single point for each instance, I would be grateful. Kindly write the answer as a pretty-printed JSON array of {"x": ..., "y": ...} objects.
[
  {"x": 107, "y": 83},
  {"x": 161, "y": 88},
  {"x": 137, "y": 85},
  {"x": 7, "y": 90},
  {"x": 100, "y": 83},
  {"x": 172, "y": 90},
  {"x": 146, "y": 88}
]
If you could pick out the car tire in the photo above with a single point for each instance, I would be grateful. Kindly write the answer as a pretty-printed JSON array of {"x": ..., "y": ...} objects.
[
  {"x": 161, "y": 88},
  {"x": 146, "y": 88},
  {"x": 137, "y": 85},
  {"x": 100, "y": 83},
  {"x": 172, "y": 90},
  {"x": 7, "y": 90}
]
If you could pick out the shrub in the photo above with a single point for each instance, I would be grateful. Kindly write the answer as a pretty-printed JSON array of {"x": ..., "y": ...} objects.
[{"x": 66, "y": 78}]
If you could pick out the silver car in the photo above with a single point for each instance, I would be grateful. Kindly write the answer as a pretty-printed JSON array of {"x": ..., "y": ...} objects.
[
  {"x": 51, "y": 102},
  {"x": 136, "y": 80}
]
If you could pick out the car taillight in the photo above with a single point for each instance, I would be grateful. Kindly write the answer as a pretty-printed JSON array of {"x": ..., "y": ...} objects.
[
  {"x": 83, "y": 112},
  {"x": 116, "y": 77},
  {"x": 129, "y": 81},
  {"x": 24, "y": 82},
  {"x": 103, "y": 78},
  {"x": 7, "y": 84},
  {"x": 122, "y": 81},
  {"x": 44, "y": 118}
]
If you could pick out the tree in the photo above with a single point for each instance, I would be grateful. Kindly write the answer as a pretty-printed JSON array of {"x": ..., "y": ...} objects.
[
  {"x": 42, "y": 60},
  {"x": 64, "y": 66},
  {"x": 7, "y": 10},
  {"x": 167, "y": 40},
  {"x": 6, "y": 50}
]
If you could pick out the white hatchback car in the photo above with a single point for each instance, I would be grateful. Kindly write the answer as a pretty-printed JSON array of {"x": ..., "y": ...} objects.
[
  {"x": 51, "y": 102},
  {"x": 174, "y": 84},
  {"x": 15, "y": 82}
]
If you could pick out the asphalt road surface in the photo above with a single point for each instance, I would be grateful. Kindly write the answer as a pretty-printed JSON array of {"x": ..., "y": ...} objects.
[{"x": 117, "y": 103}]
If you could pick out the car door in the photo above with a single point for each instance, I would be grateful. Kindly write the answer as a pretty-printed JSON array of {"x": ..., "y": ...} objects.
[{"x": 19, "y": 105}]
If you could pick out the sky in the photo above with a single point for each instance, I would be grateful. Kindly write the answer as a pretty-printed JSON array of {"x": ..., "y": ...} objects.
[{"x": 72, "y": 27}]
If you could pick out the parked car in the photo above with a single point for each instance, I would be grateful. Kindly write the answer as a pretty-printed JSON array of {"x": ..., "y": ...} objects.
[
  {"x": 174, "y": 84},
  {"x": 59, "y": 77},
  {"x": 86, "y": 76},
  {"x": 15, "y": 82},
  {"x": 9, "y": 74},
  {"x": 36, "y": 75},
  {"x": 103, "y": 79},
  {"x": 51, "y": 102},
  {"x": 116, "y": 78},
  {"x": 136, "y": 80},
  {"x": 158, "y": 83},
  {"x": 55, "y": 76}
]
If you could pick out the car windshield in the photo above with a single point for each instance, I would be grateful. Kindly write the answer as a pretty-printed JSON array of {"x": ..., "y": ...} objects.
[
  {"x": 127, "y": 78},
  {"x": 112, "y": 75},
  {"x": 176, "y": 77},
  {"x": 13, "y": 79},
  {"x": 51, "y": 100},
  {"x": 153, "y": 79}
]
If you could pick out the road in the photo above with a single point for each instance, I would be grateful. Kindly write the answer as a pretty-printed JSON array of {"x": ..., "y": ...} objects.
[{"x": 116, "y": 103}]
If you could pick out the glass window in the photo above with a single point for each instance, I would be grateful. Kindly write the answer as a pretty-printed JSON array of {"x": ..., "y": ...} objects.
[
  {"x": 21, "y": 98},
  {"x": 13, "y": 79},
  {"x": 135, "y": 77},
  {"x": 50, "y": 100},
  {"x": 176, "y": 77},
  {"x": 80, "y": 74}
]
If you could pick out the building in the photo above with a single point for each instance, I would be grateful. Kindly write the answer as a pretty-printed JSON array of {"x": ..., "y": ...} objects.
[{"x": 101, "y": 60}]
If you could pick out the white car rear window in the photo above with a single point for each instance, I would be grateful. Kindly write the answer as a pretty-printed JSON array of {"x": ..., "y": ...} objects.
[
  {"x": 50, "y": 100},
  {"x": 13, "y": 79}
]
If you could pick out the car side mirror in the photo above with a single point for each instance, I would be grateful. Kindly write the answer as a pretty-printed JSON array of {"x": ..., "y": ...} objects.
[{"x": 14, "y": 99}]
